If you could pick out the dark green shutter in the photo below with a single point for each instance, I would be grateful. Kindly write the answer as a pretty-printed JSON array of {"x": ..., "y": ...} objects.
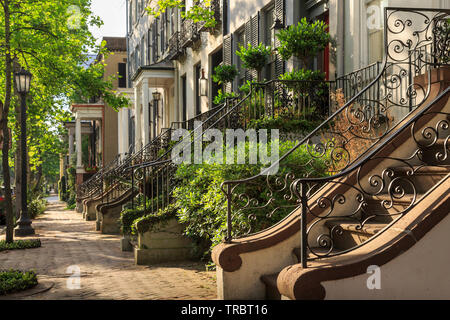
[
  {"x": 228, "y": 56},
  {"x": 279, "y": 13}
]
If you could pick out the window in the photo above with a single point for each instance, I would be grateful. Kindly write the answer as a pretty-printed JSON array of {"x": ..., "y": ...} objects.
[
  {"x": 137, "y": 58},
  {"x": 240, "y": 41},
  {"x": 142, "y": 61},
  {"x": 132, "y": 64},
  {"x": 198, "y": 100},
  {"x": 374, "y": 31},
  {"x": 150, "y": 44},
  {"x": 268, "y": 20},
  {"x": 122, "y": 75}
]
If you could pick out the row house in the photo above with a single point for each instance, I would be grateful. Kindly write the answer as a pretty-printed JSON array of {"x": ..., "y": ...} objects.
[
  {"x": 93, "y": 135},
  {"x": 168, "y": 55}
]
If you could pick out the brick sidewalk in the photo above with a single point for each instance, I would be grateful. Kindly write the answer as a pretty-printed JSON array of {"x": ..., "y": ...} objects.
[{"x": 106, "y": 271}]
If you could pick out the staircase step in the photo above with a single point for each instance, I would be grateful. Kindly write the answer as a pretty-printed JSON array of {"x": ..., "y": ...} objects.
[
  {"x": 353, "y": 234},
  {"x": 370, "y": 228},
  {"x": 297, "y": 252},
  {"x": 270, "y": 281},
  {"x": 403, "y": 201},
  {"x": 429, "y": 153}
]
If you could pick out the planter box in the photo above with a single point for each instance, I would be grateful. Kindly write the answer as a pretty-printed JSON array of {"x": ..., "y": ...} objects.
[{"x": 164, "y": 243}]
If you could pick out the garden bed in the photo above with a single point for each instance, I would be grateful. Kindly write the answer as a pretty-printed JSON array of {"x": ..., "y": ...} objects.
[
  {"x": 12, "y": 281},
  {"x": 20, "y": 244}
]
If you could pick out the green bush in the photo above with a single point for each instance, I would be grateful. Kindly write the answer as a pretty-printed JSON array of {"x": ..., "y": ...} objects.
[
  {"x": 20, "y": 244},
  {"x": 303, "y": 40},
  {"x": 36, "y": 206},
  {"x": 202, "y": 205},
  {"x": 145, "y": 223},
  {"x": 14, "y": 281},
  {"x": 221, "y": 97},
  {"x": 254, "y": 57},
  {"x": 284, "y": 124},
  {"x": 127, "y": 218},
  {"x": 224, "y": 73}
]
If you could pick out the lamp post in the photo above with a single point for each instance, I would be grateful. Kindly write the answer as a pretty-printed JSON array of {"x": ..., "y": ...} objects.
[
  {"x": 275, "y": 30},
  {"x": 156, "y": 97},
  {"x": 203, "y": 85},
  {"x": 23, "y": 80}
]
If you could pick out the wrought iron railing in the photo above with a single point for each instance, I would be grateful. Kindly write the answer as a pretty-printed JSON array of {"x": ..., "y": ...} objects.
[
  {"x": 175, "y": 49},
  {"x": 275, "y": 98},
  {"x": 414, "y": 43},
  {"x": 91, "y": 187},
  {"x": 353, "y": 82},
  {"x": 188, "y": 33}
]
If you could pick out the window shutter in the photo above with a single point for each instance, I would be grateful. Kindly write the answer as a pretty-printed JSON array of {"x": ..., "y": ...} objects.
[
  {"x": 252, "y": 37},
  {"x": 161, "y": 31},
  {"x": 224, "y": 17},
  {"x": 228, "y": 56},
  {"x": 279, "y": 13}
]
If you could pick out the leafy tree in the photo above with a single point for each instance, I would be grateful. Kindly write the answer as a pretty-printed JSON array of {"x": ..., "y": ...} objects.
[
  {"x": 198, "y": 12},
  {"x": 51, "y": 39},
  {"x": 303, "y": 40}
]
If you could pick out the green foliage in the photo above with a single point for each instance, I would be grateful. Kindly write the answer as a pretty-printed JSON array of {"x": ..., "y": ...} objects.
[
  {"x": 254, "y": 57},
  {"x": 148, "y": 222},
  {"x": 311, "y": 85},
  {"x": 221, "y": 97},
  {"x": 14, "y": 281},
  {"x": 224, "y": 73},
  {"x": 198, "y": 12},
  {"x": 71, "y": 186},
  {"x": 303, "y": 40},
  {"x": 285, "y": 124},
  {"x": 127, "y": 218},
  {"x": 20, "y": 244},
  {"x": 202, "y": 205},
  {"x": 36, "y": 206}
]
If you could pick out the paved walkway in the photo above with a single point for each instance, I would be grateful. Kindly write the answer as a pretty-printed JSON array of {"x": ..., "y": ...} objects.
[{"x": 106, "y": 272}]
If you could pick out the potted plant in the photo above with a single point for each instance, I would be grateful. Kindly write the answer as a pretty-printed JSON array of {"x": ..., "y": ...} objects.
[{"x": 254, "y": 58}]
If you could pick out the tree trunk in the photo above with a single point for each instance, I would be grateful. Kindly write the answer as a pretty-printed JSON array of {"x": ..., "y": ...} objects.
[{"x": 4, "y": 127}]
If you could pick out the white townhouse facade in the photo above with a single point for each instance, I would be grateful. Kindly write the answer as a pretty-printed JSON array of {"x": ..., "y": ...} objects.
[{"x": 168, "y": 55}]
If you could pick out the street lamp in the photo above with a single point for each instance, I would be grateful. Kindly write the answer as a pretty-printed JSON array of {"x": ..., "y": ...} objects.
[
  {"x": 156, "y": 97},
  {"x": 23, "y": 80},
  {"x": 275, "y": 30},
  {"x": 203, "y": 85}
]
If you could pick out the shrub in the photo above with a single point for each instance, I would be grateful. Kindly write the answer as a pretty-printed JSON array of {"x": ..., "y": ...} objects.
[
  {"x": 254, "y": 57},
  {"x": 303, "y": 40},
  {"x": 36, "y": 206},
  {"x": 202, "y": 205},
  {"x": 147, "y": 222},
  {"x": 284, "y": 124},
  {"x": 224, "y": 74},
  {"x": 221, "y": 97},
  {"x": 14, "y": 280},
  {"x": 19, "y": 244},
  {"x": 309, "y": 89},
  {"x": 127, "y": 218}
]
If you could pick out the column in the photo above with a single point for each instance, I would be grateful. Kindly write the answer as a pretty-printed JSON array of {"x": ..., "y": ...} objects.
[
  {"x": 137, "y": 119},
  {"x": 126, "y": 130},
  {"x": 71, "y": 140},
  {"x": 145, "y": 112},
  {"x": 78, "y": 142}
]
